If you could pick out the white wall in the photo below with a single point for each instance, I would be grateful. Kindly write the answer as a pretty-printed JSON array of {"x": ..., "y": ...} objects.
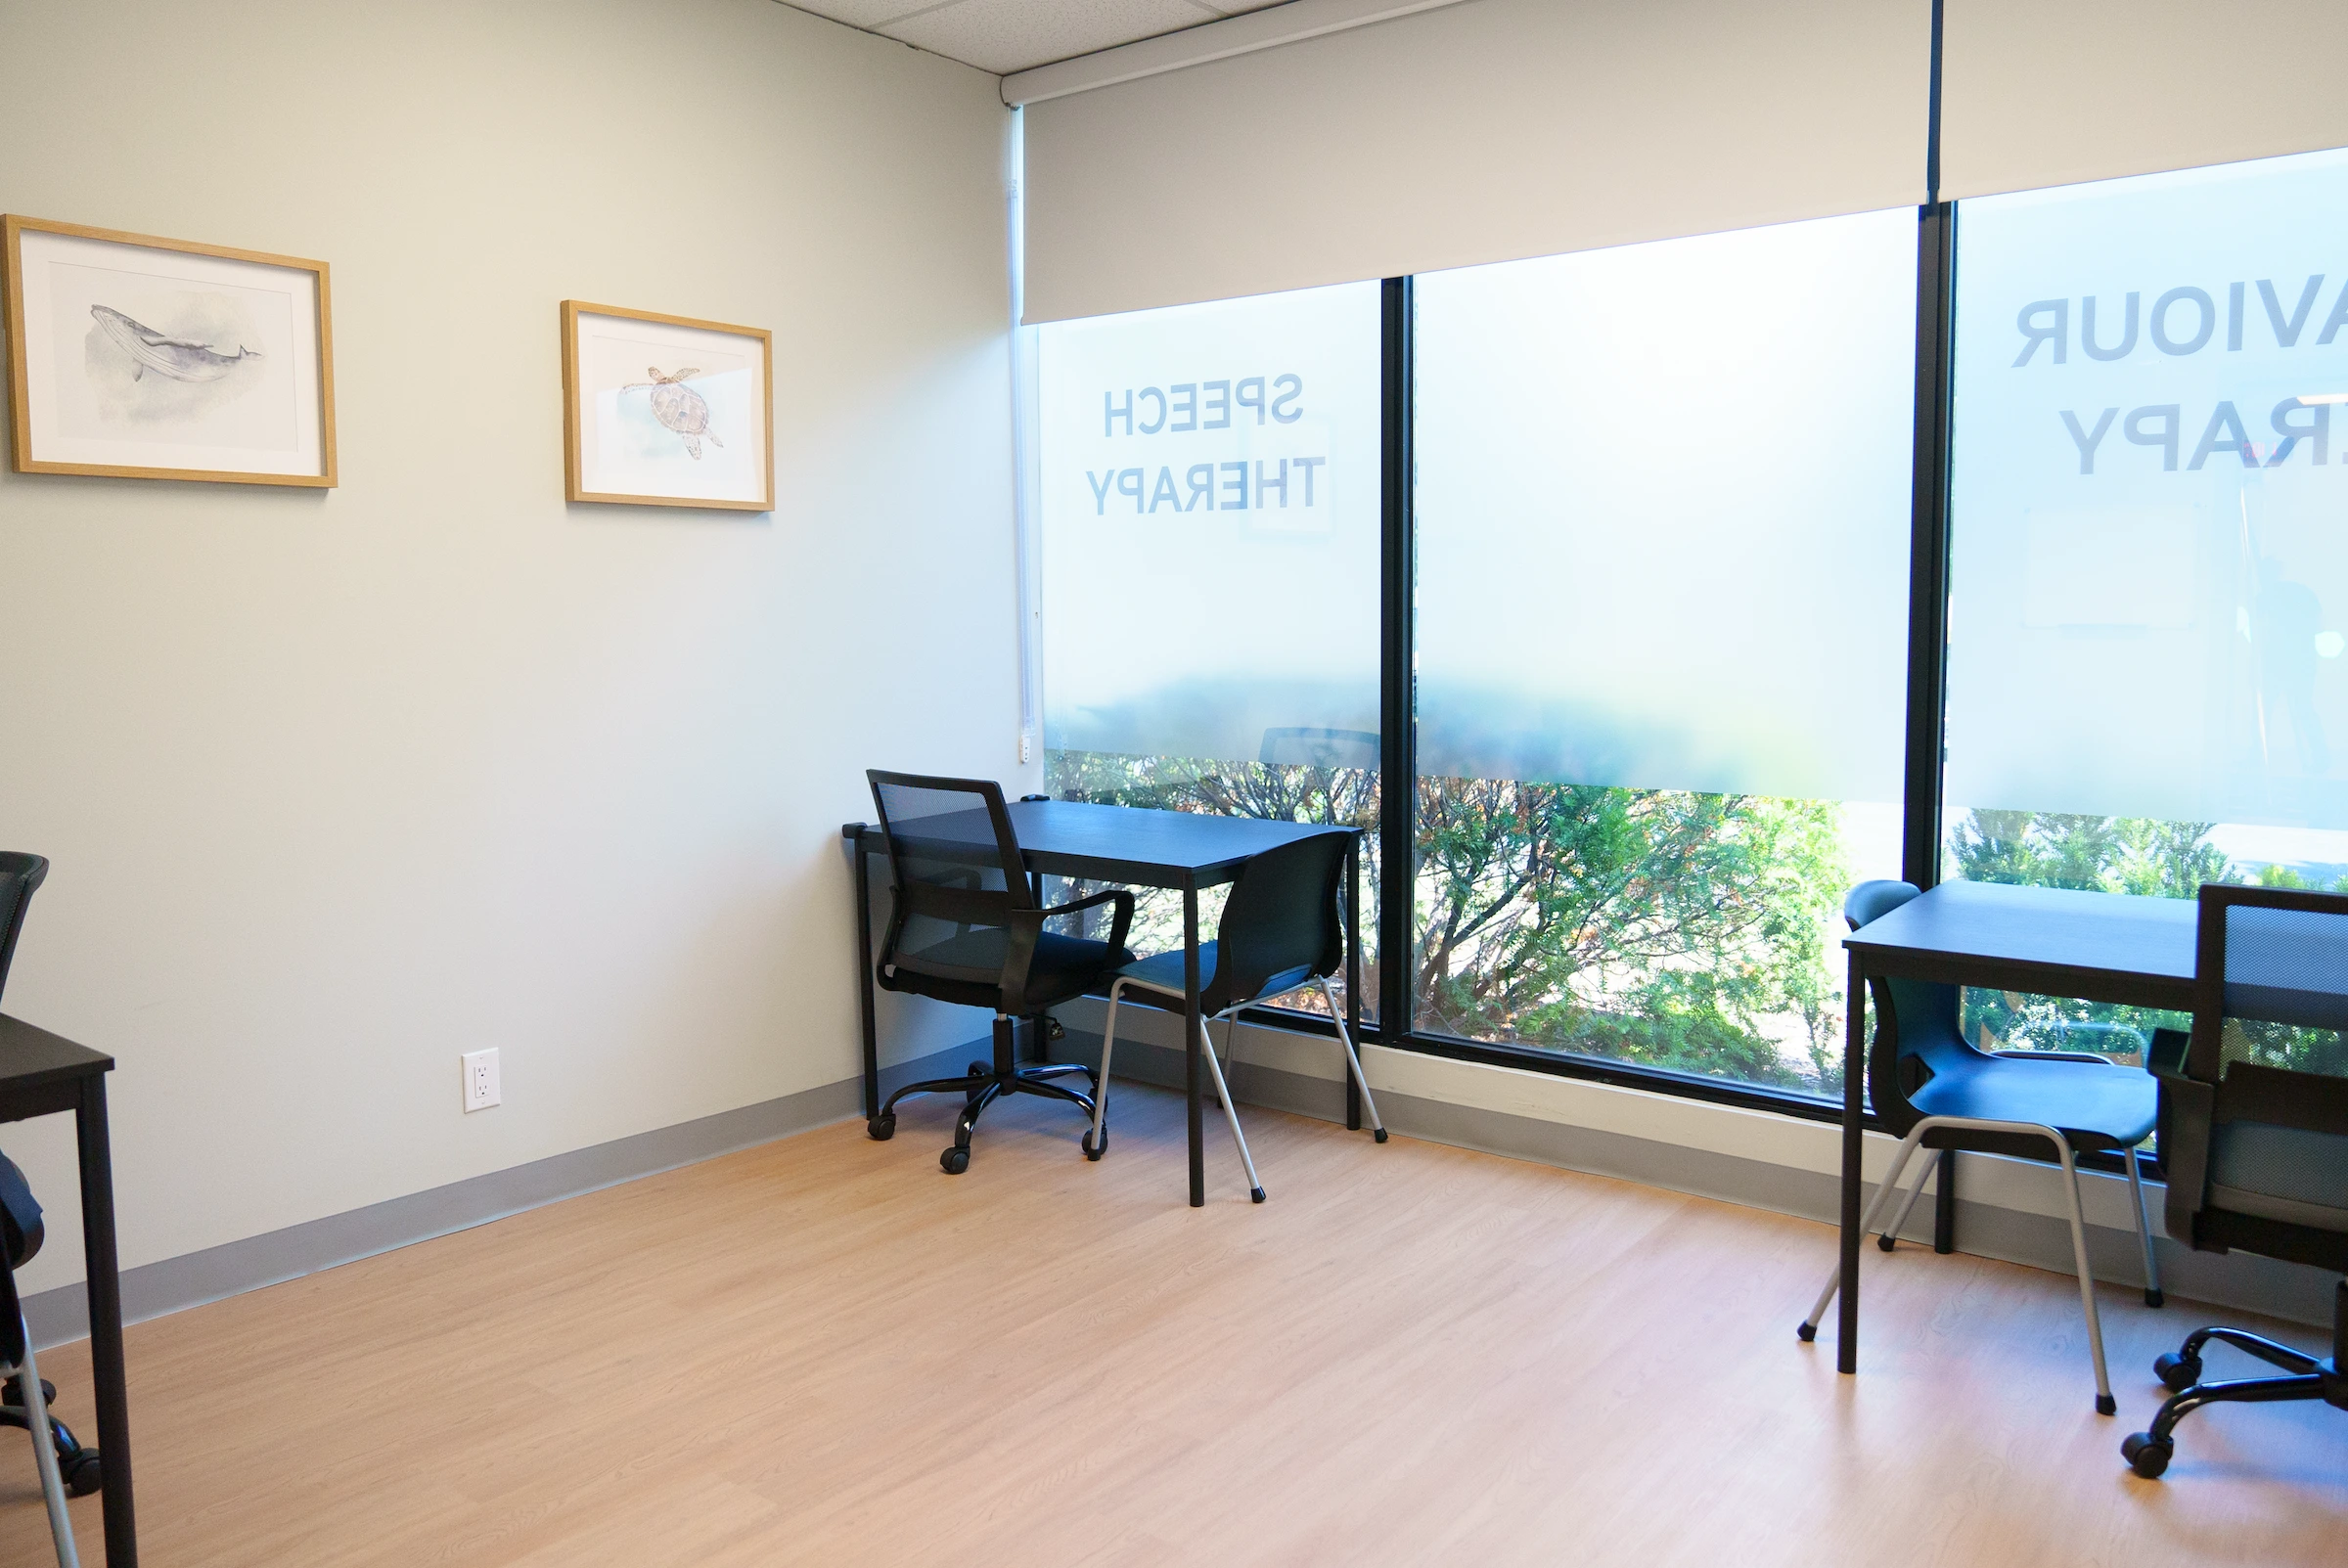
[{"x": 339, "y": 785}]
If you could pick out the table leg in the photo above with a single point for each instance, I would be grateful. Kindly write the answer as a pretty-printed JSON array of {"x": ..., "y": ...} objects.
[
  {"x": 1854, "y": 1107},
  {"x": 105, "y": 1290},
  {"x": 1944, "y": 1207},
  {"x": 1191, "y": 1025},
  {"x": 1353, "y": 979},
  {"x": 864, "y": 979}
]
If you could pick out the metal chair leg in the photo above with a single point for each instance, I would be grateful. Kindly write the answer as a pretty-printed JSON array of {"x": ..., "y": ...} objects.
[
  {"x": 44, "y": 1455},
  {"x": 1353, "y": 1058},
  {"x": 1255, "y": 1187},
  {"x": 1096, "y": 1142},
  {"x": 2143, "y": 1230},
  {"x": 2105, "y": 1405},
  {"x": 1915, "y": 1189},
  {"x": 1874, "y": 1210}
]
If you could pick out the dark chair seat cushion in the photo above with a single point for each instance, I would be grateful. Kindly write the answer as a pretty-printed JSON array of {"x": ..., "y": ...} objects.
[
  {"x": 1163, "y": 972},
  {"x": 2291, "y": 1174},
  {"x": 1064, "y": 968},
  {"x": 2093, "y": 1105}
]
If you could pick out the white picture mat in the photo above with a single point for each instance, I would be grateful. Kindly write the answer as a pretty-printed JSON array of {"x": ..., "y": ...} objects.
[
  {"x": 622, "y": 448},
  {"x": 274, "y": 428}
]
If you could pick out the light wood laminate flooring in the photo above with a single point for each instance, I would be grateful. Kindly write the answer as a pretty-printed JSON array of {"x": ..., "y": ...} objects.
[{"x": 825, "y": 1350}]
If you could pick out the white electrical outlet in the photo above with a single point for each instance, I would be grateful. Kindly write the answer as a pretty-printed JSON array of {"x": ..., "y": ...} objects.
[{"x": 480, "y": 1079}]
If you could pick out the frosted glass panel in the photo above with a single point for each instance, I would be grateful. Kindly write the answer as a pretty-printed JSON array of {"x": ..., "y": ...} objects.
[
  {"x": 1663, "y": 512},
  {"x": 2149, "y": 570},
  {"x": 1209, "y": 497}
]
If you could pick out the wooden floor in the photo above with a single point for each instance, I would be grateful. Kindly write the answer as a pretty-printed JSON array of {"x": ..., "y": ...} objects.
[{"x": 825, "y": 1350}]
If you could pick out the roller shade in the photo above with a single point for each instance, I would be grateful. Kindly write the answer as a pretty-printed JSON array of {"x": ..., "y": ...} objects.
[
  {"x": 1483, "y": 131},
  {"x": 2036, "y": 95}
]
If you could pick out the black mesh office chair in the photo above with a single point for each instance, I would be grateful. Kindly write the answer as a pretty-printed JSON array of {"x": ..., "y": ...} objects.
[
  {"x": 2254, "y": 1132},
  {"x": 966, "y": 926},
  {"x": 1281, "y": 932},
  {"x": 1936, "y": 1091}
]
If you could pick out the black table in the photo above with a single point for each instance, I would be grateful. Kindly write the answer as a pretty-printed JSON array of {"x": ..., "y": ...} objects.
[
  {"x": 2100, "y": 947},
  {"x": 1133, "y": 847},
  {"x": 41, "y": 1073}
]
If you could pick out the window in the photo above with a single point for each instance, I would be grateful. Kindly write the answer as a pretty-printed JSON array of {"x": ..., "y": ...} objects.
[
  {"x": 1660, "y": 516},
  {"x": 1663, "y": 509},
  {"x": 1209, "y": 497},
  {"x": 2148, "y": 568}
]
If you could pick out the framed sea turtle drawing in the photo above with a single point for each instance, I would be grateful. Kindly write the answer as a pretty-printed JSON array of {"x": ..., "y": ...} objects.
[
  {"x": 135, "y": 357},
  {"x": 666, "y": 411}
]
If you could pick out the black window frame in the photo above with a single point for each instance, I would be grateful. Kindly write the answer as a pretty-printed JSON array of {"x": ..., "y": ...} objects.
[{"x": 1926, "y": 655}]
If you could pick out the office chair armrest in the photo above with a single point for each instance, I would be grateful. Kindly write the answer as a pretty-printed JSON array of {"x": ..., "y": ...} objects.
[
  {"x": 2187, "y": 1107},
  {"x": 1121, "y": 897},
  {"x": 2165, "y": 1056}
]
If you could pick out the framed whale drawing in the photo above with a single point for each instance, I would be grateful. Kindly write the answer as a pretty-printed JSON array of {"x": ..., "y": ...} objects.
[
  {"x": 666, "y": 411},
  {"x": 140, "y": 358}
]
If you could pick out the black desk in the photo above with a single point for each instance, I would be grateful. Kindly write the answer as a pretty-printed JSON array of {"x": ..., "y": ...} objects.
[
  {"x": 42, "y": 1073},
  {"x": 2101, "y": 947},
  {"x": 1132, "y": 847}
]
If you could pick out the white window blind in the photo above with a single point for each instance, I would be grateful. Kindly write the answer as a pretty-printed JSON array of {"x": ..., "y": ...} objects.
[
  {"x": 1209, "y": 485},
  {"x": 2148, "y": 576},
  {"x": 1477, "y": 132},
  {"x": 1663, "y": 512},
  {"x": 2037, "y": 94}
]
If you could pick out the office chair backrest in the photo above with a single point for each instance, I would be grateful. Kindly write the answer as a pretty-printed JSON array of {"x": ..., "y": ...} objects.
[
  {"x": 20, "y": 874},
  {"x": 2270, "y": 981},
  {"x": 1918, "y": 1034},
  {"x": 2254, "y": 1118},
  {"x": 1280, "y": 926},
  {"x": 955, "y": 869}
]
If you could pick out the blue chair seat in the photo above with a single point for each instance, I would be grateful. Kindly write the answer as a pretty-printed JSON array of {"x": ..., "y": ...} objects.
[{"x": 2093, "y": 1105}]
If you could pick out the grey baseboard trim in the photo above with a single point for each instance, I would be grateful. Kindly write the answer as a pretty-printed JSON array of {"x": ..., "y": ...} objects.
[
  {"x": 172, "y": 1284},
  {"x": 155, "y": 1289},
  {"x": 2239, "y": 1280}
]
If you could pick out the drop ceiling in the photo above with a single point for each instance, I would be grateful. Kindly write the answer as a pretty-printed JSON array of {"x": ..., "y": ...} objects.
[{"x": 1007, "y": 36}]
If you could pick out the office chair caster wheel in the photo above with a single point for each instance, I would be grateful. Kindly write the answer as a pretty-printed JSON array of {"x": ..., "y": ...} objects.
[
  {"x": 1090, "y": 1151},
  {"x": 2176, "y": 1372},
  {"x": 2147, "y": 1455},
  {"x": 954, "y": 1161},
  {"x": 83, "y": 1472},
  {"x": 1380, "y": 1135},
  {"x": 981, "y": 1069},
  {"x": 12, "y": 1393},
  {"x": 881, "y": 1128}
]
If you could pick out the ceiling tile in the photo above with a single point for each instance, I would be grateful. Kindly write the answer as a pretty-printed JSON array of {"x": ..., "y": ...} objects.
[
  {"x": 866, "y": 14},
  {"x": 1007, "y": 36}
]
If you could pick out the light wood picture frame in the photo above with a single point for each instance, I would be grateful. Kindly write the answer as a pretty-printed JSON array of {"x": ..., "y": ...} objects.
[
  {"x": 131, "y": 356},
  {"x": 666, "y": 411}
]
